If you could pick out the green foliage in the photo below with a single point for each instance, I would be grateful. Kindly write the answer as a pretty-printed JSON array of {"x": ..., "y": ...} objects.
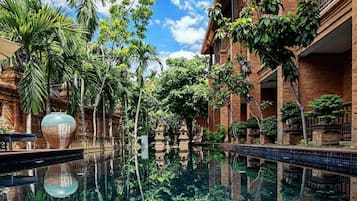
[
  {"x": 269, "y": 126},
  {"x": 215, "y": 136},
  {"x": 269, "y": 173},
  {"x": 290, "y": 112},
  {"x": 252, "y": 123},
  {"x": 268, "y": 6},
  {"x": 226, "y": 81},
  {"x": 327, "y": 107},
  {"x": 238, "y": 129},
  {"x": 183, "y": 87},
  {"x": 272, "y": 36}
]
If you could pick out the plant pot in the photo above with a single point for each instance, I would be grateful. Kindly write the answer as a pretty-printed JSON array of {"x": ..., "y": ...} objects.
[
  {"x": 59, "y": 181},
  {"x": 58, "y": 129},
  {"x": 264, "y": 139},
  {"x": 326, "y": 134},
  {"x": 292, "y": 136}
]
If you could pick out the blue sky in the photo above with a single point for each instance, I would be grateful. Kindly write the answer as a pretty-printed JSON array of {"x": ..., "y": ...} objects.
[{"x": 177, "y": 27}]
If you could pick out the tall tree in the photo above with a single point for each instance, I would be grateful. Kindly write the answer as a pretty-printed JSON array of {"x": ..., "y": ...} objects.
[
  {"x": 184, "y": 88},
  {"x": 87, "y": 14}
]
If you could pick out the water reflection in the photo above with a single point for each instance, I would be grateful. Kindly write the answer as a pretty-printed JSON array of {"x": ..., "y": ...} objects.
[
  {"x": 179, "y": 175},
  {"x": 59, "y": 181}
]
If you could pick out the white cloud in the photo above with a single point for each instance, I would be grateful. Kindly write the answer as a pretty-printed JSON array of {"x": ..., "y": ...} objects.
[
  {"x": 103, "y": 9},
  {"x": 187, "y": 30},
  {"x": 182, "y": 54},
  {"x": 165, "y": 55},
  {"x": 190, "y": 5},
  {"x": 157, "y": 21},
  {"x": 55, "y": 3}
]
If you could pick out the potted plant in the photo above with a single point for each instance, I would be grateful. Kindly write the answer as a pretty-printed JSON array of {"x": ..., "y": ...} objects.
[
  {"x": 237, "y": 131},
  {"x": 326, "y": 109},
  {"x": 253, "y": 131},
  {"x": 269, "y": 130},
  {"x": 290, "y": 116}
]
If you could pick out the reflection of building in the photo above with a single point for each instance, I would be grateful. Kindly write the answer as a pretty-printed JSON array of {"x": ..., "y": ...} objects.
[{"x": 327, "y": 66}]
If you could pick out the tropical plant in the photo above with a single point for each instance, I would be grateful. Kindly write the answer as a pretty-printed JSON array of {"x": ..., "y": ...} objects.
[
  {"x": 238, "y": 129},
  {"x": 251, "y": 123},
  {"x": 269, "y": 126},
  {"x": 42, "y": 31},
  {"x": 327, "y": 107},
  {"x": 87, "y": 14},
  {"x": 290, "y": 114},
  {"x": 215, "y": 136}
]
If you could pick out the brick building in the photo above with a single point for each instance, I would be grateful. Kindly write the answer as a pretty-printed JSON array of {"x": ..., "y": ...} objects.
[{"x": 328, "y": 65}]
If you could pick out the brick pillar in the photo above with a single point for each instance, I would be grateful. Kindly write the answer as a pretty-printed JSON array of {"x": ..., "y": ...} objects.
[
  {"x": 225, "y": 174},
  {"x": 236, "y": 186},
  {"x": 284, "y": 95},
  {"x": 354, "y": 75}
]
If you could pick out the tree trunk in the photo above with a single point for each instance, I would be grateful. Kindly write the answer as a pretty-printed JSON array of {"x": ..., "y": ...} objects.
[
  {"x": 134, "y": 141},
  {"x": 301, "y": 107},
  {"x": 83, "y": 120},
  {"x": 104, "y": 121},
  {"x": 48, "y": 104},
  {"x": 28, "y": 129},
  {"x": 302, "y": 184},
  {"x": 111, "y": 129},
  {"x": 94, "y": 125}
]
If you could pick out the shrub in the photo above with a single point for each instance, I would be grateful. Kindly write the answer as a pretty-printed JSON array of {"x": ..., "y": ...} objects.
[
  {"x": 215, "y": 136},
  {"x": 327, "y": 107},
  {"x": 290, "y": 113},
  {"x": 238, "y": 129},
  {"x": 251, "y": 123},
  {"x": 269, "y": 126}
]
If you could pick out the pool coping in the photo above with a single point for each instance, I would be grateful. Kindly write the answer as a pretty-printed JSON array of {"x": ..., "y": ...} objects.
[
  {"x": 331, "y": 159},
  {"x": 25, "y": 159}
]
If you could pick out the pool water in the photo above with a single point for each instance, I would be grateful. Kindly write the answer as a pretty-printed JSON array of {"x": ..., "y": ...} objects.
[{"x": 203, "y": 174}]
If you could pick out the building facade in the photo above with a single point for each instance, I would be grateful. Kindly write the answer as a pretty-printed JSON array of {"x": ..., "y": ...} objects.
[{"x": 327, "y": 66}]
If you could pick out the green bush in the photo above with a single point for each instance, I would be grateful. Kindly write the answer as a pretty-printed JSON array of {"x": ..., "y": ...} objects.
[
  {"x": 238, "y": 129},
  {"x": 215, "y": 136},
  {"x": 251, "y": 123},
  {"x": 327, "y": 107},
  {"x": 269, "y": 126},
  {"x": 290, "y": 113}
]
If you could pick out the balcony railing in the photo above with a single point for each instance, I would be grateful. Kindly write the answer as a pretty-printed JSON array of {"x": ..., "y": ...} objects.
[{"x": 324, "y": 3}]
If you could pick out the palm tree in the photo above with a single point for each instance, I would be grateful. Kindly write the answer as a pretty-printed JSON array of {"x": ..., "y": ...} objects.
[
  {"x": 87, "y": 14},
  {"x": 143, "y": 53},
  {"x": 35, "y": 27}
]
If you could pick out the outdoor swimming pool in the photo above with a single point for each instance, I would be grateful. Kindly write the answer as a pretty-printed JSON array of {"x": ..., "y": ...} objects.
[{"x": 199, "y": 175}]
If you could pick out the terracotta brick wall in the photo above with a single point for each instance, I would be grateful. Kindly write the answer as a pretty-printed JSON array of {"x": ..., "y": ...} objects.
[
  {"x": 269, "y": 94},
  {"x": 321, "y": 74}
]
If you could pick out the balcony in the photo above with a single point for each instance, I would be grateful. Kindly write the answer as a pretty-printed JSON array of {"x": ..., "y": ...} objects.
[{"x": 323, "y": 3}]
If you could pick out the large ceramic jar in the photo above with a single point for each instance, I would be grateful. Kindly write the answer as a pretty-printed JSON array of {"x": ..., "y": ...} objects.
[{"x": 58, "y": 129}]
